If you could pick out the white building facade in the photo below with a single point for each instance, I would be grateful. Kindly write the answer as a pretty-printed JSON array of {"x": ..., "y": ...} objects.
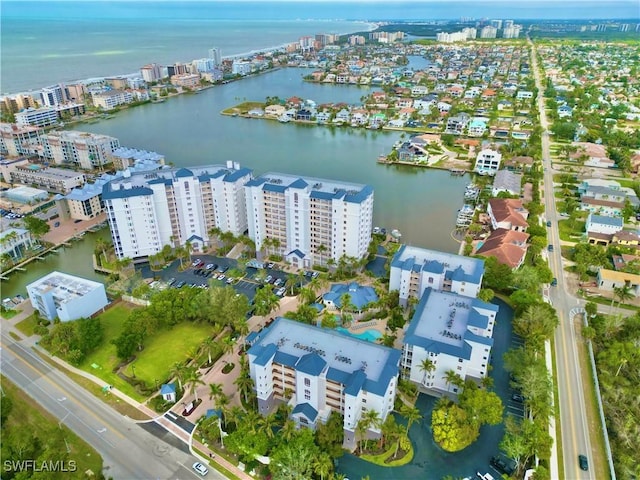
[
  {"x": 488, "y": 162},
  {"x": 454, "y": 333},
  {"x": 63, "y": 296},
  {"x": 86, "y": 150},
  {"x": 172, "y": 207},
  {"x": 414, "y": 269},
  {"x": 309, "y": 220},
  {"x": 325, "y": 371}
]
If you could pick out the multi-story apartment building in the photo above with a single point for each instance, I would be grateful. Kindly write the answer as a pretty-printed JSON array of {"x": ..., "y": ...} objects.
[
  {"x": 111, "y": 98},
  {"x": 15, "y": 103},
  {"x": 189, "y": 80},
  {"x": 123, "y": 158},
  {"x": 323, "y": 371},
  {"x": 174, "y": 206},
  {"x": 16, "y": 140},
  {"x": 488, "y": 32},
  {"x": 51, "y": 179},
  {"x": 14, "y": 242},
  {"x": 53, "y": 95},
  {"x": 66, "y": 297},
  {"x": 309, "y": 220},
  {"x": 86, "y": 150},
  {"x": 414, "y": 269},
  {"x": 151, "y": 73},
  {"x": 454, "y": 333},
  {"x": 38, "y": 117},
  {"x": 216, "y": 56}
]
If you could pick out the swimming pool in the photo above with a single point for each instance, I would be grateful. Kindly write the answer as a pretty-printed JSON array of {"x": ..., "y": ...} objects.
[{"x": 369, "y": 335}]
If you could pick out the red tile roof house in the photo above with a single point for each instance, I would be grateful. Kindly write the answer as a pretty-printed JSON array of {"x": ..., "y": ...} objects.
[
  {"x": 508, "y": 213},
  {"x": 509, "y": 247}
]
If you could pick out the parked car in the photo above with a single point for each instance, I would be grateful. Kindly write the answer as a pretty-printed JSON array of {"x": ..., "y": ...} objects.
[
  {"x": 583, "y": 462},
  {"x": 269, "y": 279},
  {"x": 550, "y": 248},
  {"x": 270, "y": 265},
  {"x": 517, "y": 397},
  {"x": 200, "y": 469},
  {"x": 221, "y": 277},
  {"x": 501, "y": 465},
  {"x": 180, "y": 284},
  {"x": 171, "y": 281},
  {"x": 211, "y": 266},
  {"x": 281, "y": 291},
  {"x": 548, "y": 223},
  {"x": 197, "y": 262},
  {"x": 278, "y": 282},
  {"x": 554, "y": 282}
]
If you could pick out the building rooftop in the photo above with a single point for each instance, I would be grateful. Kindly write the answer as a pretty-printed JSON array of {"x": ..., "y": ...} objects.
[
  {"x": 65, "y": 287},
  {"x": 459, "y": 267},
  {"x": 359, "y": 295},
  {"x": 321, "y": 188},
  {"x": 51, "y": 172},
  {"x": 441, "y": 323},
  {"x": 312, "y": 349}
]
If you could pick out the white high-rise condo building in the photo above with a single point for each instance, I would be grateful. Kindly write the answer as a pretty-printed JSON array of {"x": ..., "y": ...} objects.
[
  {"x": 216, "y": 56},
  {"x": 325, "y": 371},
  {"x": 451, "y": 332},
  {"x": 174, "y": 206},
  {"x": 414, "y": 269},
  {"x": 86, "y": 150},
  {"x": 309, "y": 220}
]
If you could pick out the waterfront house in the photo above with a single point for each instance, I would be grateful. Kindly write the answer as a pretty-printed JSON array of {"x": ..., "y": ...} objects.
[
  {"x": 507, "y": 213},
  {"x": 303, "y": 114},
  {"x": 275, "y": 110},
  {"x": 508, "y": 247},
  {"x": 507, "y": 181},
  {"x": 317, "y": 371},
  {"x": 454, "y": 333},
  {"x": 477, "y": 127},
  {"x": 14, "y": 242},
  {"x": 344, "y": 115},
  {"x": 323, "y": 117},
  {"x": 457, "y": 124},
  {"x": 488, "y": 162}
]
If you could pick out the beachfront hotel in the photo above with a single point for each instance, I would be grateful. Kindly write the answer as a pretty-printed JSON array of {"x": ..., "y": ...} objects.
[
  {"x": 454, "y": 333},
  {"x": 317, "y": 371},
  {"x": 414, "y": 269},
  {"x": 148, "y": 210},
  {"x": 309, "y": 220}
]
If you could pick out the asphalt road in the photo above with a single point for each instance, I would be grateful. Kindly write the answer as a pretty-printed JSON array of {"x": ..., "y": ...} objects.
[
  {"x": 129, "y": 451},
  {"x": 573, "y": 415}
]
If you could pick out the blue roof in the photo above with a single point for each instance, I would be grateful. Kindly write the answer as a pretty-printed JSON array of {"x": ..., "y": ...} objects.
[
  {"x": 312, "y": 364},
  {"x": 167, "y": 388},
  {"x": 195, "y": 238},
  {"x": 156, "y": 181},
  {"x": 306, "y": 410},
  {"x": 355, "y": 382},
  {"x": 360, "y": 196},
  {"x": 605, "y": 220},
  {"x": 297, "y": 253},
  {"x": 256, "y": 182},
  {"x": 108, "y": 194},
  {"x": 251, "y": 337},
  {"x": 299, "y": 183},
  {"x": 360, "y": 295},
  {"x": 266, "y": 353},
  {"x": 237, "y": 174},
  {"x": 184, "y": 172},
  {"x": 269, "y": 187}
]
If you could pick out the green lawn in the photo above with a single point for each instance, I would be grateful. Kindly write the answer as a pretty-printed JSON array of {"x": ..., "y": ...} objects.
[
  {"x": 166, "y": 348},
  {"x": 569, "y": 234},
  {"x": 8, "y": 314},
  {"x": 27, "y": 416},
  {"x": 27, "y": 325},
  {"x": 105, "y": 357}
]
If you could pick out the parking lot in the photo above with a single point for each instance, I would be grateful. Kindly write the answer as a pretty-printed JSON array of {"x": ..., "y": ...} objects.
[{"x": 198, "y": 275}]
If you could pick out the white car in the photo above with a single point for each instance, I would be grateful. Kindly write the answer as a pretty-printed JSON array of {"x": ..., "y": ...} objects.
[{"x": 200, "y": 468}]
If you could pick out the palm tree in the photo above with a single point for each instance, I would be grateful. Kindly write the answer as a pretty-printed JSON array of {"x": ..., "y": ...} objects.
[
  {"x": 188, "y": 248},
  {"x": 221, "y": 402},
  {"x": 361, "y": 431},
  {"x": 288, "y": 430},
  {"x": 452, "y": 378},
  {"x": 208, "y": 346},
  {"x": 322, "y": 465},
  {"x": 214, "y": 233},
  {"x": 411, "y": 413},
  {"x": 622, "y": 293},
  {"x": 371, "y": 419},
  {"x": 266, "y": 424},
  {"x": 321, "y": 249},
  {"x": 192, "y": 379},
  {"x": 178, "y": 370},
  {"x": 245, "y": 385},
  {"x": 101, "y": 246},
  {"x": 426, "y": 366},
  {"x": 215, "y": 390}
]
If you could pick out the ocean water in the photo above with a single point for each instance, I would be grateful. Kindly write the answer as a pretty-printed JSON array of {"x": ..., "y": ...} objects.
[{"x": 47, "y": 42}]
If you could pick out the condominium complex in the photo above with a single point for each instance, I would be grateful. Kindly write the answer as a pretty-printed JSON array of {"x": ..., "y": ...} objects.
[
  {"x": 414, "y": 269},
  {"x": 309, "y": 220},
  {"x": 52, "y": 179},
  {"x": 323, "y": 371},
  {"x": 110, "y": 99},
  {"x": 16, "y": 140},
  {"x": 38, "y": 117},
  {"x": 171, "y": 207},
  {"x": 86, "y": 150},
  {"x": 63, "y": 296},
  {"x": 453, "y": 333}
]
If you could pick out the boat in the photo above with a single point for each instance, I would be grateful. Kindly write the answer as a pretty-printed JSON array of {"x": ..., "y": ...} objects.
[
  {"x": 395, "y": 233},
  {"x": 457, "y": 171},
  {"x": 284, "y": 118}
]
